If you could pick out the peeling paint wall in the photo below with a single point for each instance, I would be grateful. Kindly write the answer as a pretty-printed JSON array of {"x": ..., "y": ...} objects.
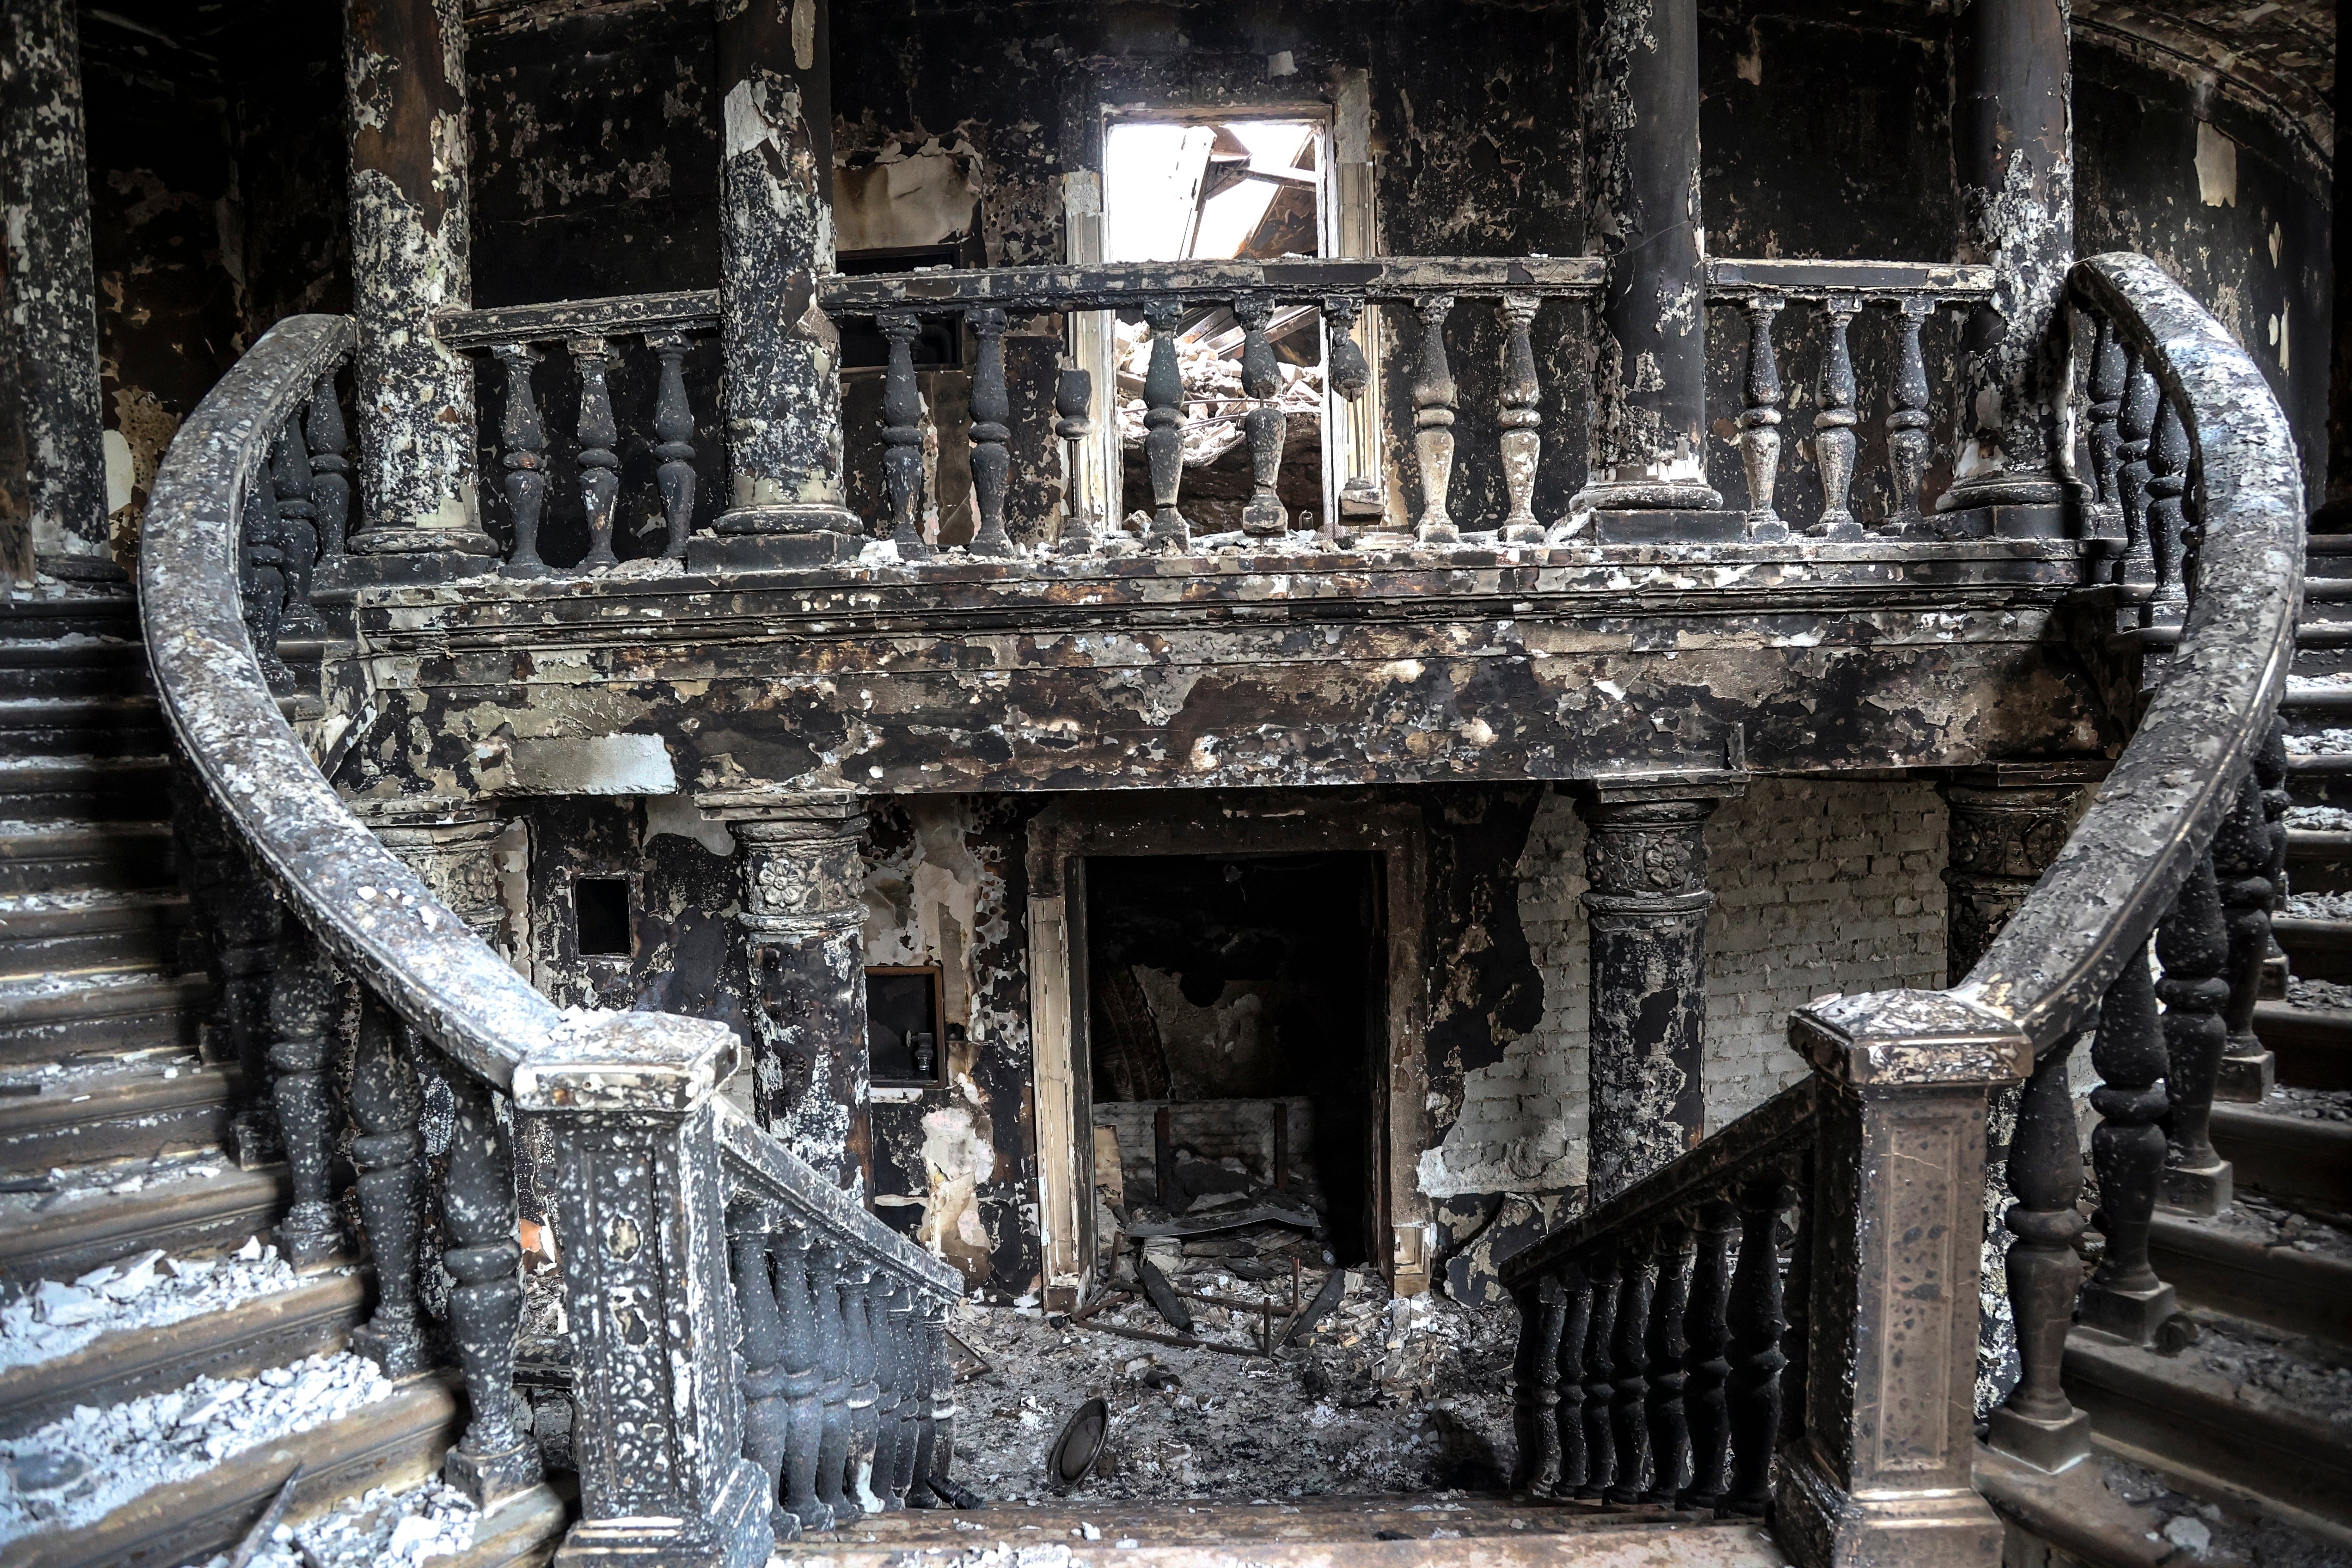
[{"x": 956, "y": 1168}]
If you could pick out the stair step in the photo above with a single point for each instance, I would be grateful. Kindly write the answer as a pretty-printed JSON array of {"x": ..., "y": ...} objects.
[
  {"x": 315, "y": 1315},
  {"x": 95, "y": 789},
  {"x": 72, "y": 858},
  {"x": 2297, "y": 1159},
  {"x": 114, "y": 616},
  {"x": 2237, "y": 1264},
  {"x": 397, "y": 1441},
  {"x": 2319, "y": 861},
  {"x": 2312, "y": 1045},
  {"x": 82, "y": 727},
  {"x": 78, "y": 667},
  {"x": 59, "y": 1236},
  {"x": 2192, "y": 1415},
  {"x": 100, "y": 930},
  {"x": 2324, "y": 702},
  {"x": 1172, "y": 1536},
  {"x": 44, "y": 1020},
  {"x": 116, "y": 1114}
]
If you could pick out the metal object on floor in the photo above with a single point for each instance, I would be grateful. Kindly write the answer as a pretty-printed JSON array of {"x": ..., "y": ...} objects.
[{"x": 1075, "y": 1452}]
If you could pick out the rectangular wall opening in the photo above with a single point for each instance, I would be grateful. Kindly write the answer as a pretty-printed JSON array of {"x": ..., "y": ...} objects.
[{"x": 1238, "y": 1021}]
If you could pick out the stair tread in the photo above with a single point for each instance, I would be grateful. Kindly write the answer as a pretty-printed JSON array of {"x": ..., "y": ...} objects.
[
  {"x": 97, "y": 1214},
  {"x": 2256, "y": 1388},
  {"x": 154, "y": 1502},
  {"x": 98, "y": 993},
  {"x": 62, "y": 1095},
  {"x": 94, "y": 909},
  {"x": 223, "y": 1317}
]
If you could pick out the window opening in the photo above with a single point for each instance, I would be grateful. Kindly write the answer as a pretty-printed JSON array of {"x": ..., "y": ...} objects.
[
  {"x": 1245, "y": 189},
  {"x": 600, "y": 912}
]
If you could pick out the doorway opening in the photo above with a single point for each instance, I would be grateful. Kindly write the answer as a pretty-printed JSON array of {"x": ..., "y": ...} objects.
[
  {"x": 1237, "y": 1022},
  {"x": 1222, "y": 191}
]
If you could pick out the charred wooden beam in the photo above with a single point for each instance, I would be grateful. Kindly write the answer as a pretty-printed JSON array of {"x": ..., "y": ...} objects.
[
  {"x": 613, "y": 316},
  {"x": 1128, "y": 284}
]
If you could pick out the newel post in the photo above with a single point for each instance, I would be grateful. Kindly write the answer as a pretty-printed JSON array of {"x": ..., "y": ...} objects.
[
  {"x": 629, "y": 1101},
  {"x": 1881, "y": 1473}
]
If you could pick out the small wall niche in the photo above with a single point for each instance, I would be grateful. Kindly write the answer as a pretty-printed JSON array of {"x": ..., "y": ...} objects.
[
  {"x": 906, "y": 1045},
  {"x": 601, "y": 917}
]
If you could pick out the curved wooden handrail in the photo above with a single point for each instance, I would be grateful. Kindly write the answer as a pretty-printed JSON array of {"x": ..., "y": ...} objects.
[
  {"x": 2160, "y": 805},
  {"x": 371, "y": 911}
]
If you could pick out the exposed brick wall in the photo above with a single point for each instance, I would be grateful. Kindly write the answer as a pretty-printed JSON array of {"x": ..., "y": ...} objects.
[{"x": 1821, "y": 887}]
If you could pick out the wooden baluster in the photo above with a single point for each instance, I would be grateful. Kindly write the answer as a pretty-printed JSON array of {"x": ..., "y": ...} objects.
[
  {"x": 1759, "y": 422},
  {"x": 1708, "y": 1358},
  {"x": 833, "y": 1369},
  {"x": 497, "y": 1456},
  {"x": 264, "y": 584},
  {"x": 930, "y": 1343},
  {"x": 1833, "y": 438},
  {"x": 943, "y": 1418},
  {"x": 1432, "y": 421},
  {"x": 2193, "y": 944},
  {"x": 991, "y": 408},
  {"x": 298, "y": 527},
  {"x": 1349, "y": 376},
  {"x": 1668, "y": 1356},
  {"x": 2104, "y": 386},
  {"x": 914, "y": 1391},
  {"x": 802, "y": 1387},
  {"x": 2167, "y": 478},
  {"x": 1907, "y": 440},
  {"x": 1575, "y": 1329},
  {"x": 525, "y": 440},
  {"x": 902, "y": 435},
  {"x": 2124, "y": 1295},
  {"x": 600, "y": 477},
  {"x": 1599, "y": 1385},
  {"x": 1163, "y": 419},
  {"x": 1264, "y": 424},
  {"x": 2135, "y": 425},
  {"x": 331, "y": 491},
  {"x": 1629, "y": 1406},
  {"x": 890, "y": 1378},
  {"x": 674, "y": 444},
  {"x": 767, "y": 1417},
  {"x": 2248, "y": 1070},
  {"x": 1522, "y": 419},
  {"x": 1535, "y": 1406},
  {"x": 865, "y": 1390},
  {"x": 299, "y": 1001},
  {"x": 1758, "y": 1317},
  {"x": 2241, "y": 856},
  {"x": 385, "y": 1101},
  {"x": 1073, "y": 399},
  {"x": 2036, "y": 1423}
]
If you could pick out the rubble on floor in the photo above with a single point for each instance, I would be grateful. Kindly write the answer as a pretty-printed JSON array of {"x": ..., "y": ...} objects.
[
  {"x": 52, "y": 1318},
  {"x": 1383, "y": 1395},
  {"x": 2204, "y": 1532},
  {"x": 2319, "y": 818},
  {"x": 2325, "y": 995},
  {"x": 2320, "y": 906},
  {"x": 2257, "y": 1218},
  {"x": 24, "y": 1195},
  {"x": 2310, "y": 1104},
  {"x": 2309, "y": 1375},
  {"x": 380, "y": 1528},
  {"x": 2329, "y": 742},
  {"x": 80, "y": 1468}
]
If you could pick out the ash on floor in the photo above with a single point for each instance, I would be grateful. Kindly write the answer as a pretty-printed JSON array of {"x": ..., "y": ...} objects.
[
  {"x": 1381, "y": 1396},
  {"x": 382, "y": 1529},
  {"x": 2206, "y": 1532}
]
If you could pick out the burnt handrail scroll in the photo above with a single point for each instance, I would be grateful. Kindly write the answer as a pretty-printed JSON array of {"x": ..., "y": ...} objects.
[
  {"x": 1891, "y": 1127},
  {"x": 650, "y": 1169}
]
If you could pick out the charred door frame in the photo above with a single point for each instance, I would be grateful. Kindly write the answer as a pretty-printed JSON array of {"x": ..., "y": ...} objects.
[
  {"x": 1063, "y": 836},
  {"x": 1202, "y": 86}
]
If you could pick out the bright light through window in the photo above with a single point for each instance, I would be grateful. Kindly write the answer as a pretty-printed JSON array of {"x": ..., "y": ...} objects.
[{"x": 1177, "y": 192}]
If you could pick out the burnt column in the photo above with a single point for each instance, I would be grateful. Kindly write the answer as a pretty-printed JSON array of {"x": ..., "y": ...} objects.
[
  {"x": 50, "y": 291},
  {"x": 1645, "y": 860},
  {"x": 775, "y": 213},
  {"x": 805, "y": 915},
  {"x": 410, "y": 259},
  {"x": 2013, "y": 147},
  {"x": 1641, "y": 214}
]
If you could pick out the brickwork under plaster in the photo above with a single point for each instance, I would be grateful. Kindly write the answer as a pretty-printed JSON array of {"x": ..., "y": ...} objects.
[{"x": 1821, "y": 887}]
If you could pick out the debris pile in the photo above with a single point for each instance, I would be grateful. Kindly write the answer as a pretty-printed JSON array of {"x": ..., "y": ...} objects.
[
  {"x": 80, "y": 1468},
  {"x": 382, "y": 1529},
  {"x": 51, "y": 1319},
  {"x": 1380, "y": 1396},
  {"x": 1218, "y": 481}
]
